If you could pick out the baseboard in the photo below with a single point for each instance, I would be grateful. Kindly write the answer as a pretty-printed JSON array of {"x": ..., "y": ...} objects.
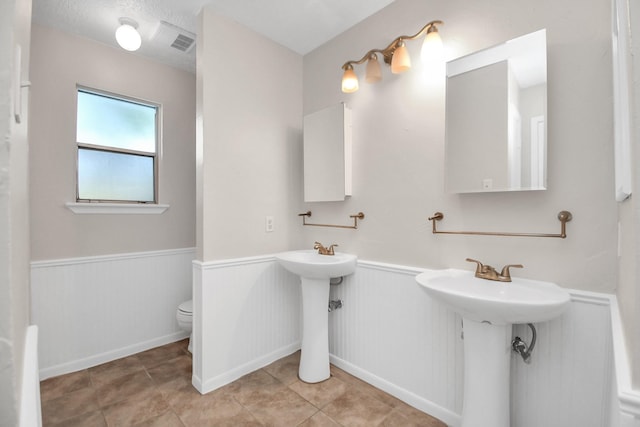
[
  {"x": 443, "y": 414},
  {"x": 240, "y": 371},
  {"x": 98, "y": 359}
]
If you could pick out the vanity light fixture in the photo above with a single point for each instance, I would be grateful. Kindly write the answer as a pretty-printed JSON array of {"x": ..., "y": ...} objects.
[
  {"x": 395, "y": 55},
  {"x": 127, "y": 35}
]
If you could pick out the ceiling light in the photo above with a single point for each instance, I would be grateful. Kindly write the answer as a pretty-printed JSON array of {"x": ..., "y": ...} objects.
[
  {"x": 395, "y": 54},
  {"x": 127, "y": 35}
]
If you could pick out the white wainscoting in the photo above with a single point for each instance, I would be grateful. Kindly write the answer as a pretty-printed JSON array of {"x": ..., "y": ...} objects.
[
  {"x": 95, "y": 309},
  {"x": 393, "y": 335},
  {"x": 568, "y": 381},
  {"x": 247, "y": 314},
  {"x": 625, "y": 402},
  {"x": 390, "y": 333}
]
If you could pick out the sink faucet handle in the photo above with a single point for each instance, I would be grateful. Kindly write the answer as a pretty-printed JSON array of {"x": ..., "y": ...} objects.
[
  {"x": 479, "y": 266},
  {"x": 322, "y": 250},
  {"x": 505, "y": 270}
]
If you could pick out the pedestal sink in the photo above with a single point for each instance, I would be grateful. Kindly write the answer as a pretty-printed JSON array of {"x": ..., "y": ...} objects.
[
  {"x": 489, "y": 309},
  {"x": 315, "y": 271}
]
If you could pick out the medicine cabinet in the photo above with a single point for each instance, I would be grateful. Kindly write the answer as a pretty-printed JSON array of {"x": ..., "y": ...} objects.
[
  {"x": 327, "y": 154},
  {"x": 496, "y": 108}
]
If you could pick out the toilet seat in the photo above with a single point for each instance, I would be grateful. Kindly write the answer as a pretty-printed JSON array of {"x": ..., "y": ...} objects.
[
  {"x": 184, "y": 316},
  {"x": 186, "y": 308}
]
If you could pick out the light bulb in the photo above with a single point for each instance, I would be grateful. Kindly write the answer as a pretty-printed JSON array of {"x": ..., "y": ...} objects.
[
  {"x": 432, "y": 49},
  {"x": 349, "y": 80}
]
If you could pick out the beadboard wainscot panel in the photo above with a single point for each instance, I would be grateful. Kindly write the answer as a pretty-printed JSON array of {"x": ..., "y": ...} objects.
[
  {"x": 391, "y": 334},
  {"x": 568, "y": 381},
  {"x": 625, "y": 401},
  {"x": 249, "y": 316},
  {"x": 92, "y": 310}
]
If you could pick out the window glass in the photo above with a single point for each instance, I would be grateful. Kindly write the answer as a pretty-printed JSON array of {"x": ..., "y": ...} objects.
[
  {"x": 111, "y": 122},
  {"x": 105, "y": 175},
  {"x": 117, "y": 140}
]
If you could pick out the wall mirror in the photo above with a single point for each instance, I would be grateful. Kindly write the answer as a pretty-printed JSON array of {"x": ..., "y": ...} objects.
[{"x": 496, "y": 109}]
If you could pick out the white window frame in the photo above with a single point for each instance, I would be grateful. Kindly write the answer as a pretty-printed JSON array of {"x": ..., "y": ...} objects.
[{"x": 85, "y": 206}]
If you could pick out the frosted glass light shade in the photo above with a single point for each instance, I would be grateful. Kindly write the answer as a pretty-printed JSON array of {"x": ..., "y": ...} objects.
[
  {"x": 349, "y": 81},
  {"x": 374, "y": 72},
  {"x": 432, "y": 50},
  {"x": 128, "y": 37},
  {"x": 400, "y": 62}
]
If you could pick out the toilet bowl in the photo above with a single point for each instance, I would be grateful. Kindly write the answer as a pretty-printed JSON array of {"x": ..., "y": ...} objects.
[{"x": 184, "y": 315}]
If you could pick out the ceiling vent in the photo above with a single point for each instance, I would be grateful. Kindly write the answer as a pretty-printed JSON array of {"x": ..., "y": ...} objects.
[{"x": 175, "y": 37}]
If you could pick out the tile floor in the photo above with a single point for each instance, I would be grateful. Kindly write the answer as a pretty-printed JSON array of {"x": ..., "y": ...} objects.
[{"x": 153, "y": 388}]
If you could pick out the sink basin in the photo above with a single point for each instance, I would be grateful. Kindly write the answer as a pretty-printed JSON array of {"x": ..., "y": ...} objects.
[
  {"x": 312, "y": 265},
  {"x": 519, "y": 301}
]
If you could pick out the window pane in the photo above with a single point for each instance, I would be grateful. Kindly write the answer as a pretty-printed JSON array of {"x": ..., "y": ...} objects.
[
  {"x": 117, "y": 123},
  {"x": 103, "y": 175}
]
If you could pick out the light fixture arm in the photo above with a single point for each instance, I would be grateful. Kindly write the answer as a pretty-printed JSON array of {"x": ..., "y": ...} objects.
[
  {"x": 387, "y": 53},
  {"x": 364, "y": 58}
]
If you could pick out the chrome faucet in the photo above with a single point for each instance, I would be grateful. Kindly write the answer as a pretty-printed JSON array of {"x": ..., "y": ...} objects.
[
  {"x": 490, "y": 273},
  {"x": 324, "y": 251}
]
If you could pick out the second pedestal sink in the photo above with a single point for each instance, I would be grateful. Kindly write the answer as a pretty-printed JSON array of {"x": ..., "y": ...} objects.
[
  {"x": 315, "y": 271},
  {"x": 518, "y": 301},
  {"x": 489, "y": 309}
]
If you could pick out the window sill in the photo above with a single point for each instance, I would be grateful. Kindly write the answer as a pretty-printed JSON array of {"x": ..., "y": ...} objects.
[{"x": 116, "y": 208}]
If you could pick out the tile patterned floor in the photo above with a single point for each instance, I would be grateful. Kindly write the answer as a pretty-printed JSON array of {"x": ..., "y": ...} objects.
[{"x": 154, "y": 388}]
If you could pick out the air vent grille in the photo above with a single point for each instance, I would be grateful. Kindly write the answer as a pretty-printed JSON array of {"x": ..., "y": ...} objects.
[
  {"x": 183, "y": 42},
  {"x": 173, "y": 36}
]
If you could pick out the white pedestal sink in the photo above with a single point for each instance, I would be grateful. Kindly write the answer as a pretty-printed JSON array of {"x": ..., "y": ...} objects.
[
  {"x": 489, "y": 309},
  {"x": 315, "y": 270}
]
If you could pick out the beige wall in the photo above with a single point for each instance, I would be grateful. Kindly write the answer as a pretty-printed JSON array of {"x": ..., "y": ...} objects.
[
  {"x": 249, "y": 140},
  {"x": 15, "y": 21},
  {"x": 59, "y": 62},
  {"x": 398, "y": 146}
]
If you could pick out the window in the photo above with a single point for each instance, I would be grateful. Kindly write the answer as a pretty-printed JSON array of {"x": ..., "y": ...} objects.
[{"x": 117, "y": 145}]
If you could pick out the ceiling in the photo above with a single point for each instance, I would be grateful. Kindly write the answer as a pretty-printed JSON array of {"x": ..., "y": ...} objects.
[{"x": 300, "y": 25}]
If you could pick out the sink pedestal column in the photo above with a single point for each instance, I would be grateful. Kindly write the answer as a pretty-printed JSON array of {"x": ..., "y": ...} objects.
[
  {"x": 487, "y": 358},
  {"x": 314, "y": 358}
]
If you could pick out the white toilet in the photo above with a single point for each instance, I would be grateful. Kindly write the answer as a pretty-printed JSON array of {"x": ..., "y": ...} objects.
[{"x": 184, "y": 315}]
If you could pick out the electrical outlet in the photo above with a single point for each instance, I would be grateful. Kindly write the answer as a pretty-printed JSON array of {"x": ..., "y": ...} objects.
[{"x": 268, "y": 223}]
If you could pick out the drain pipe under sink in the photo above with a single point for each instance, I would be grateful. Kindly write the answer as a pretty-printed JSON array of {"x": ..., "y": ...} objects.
[{"x": 520, "y": 347}]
